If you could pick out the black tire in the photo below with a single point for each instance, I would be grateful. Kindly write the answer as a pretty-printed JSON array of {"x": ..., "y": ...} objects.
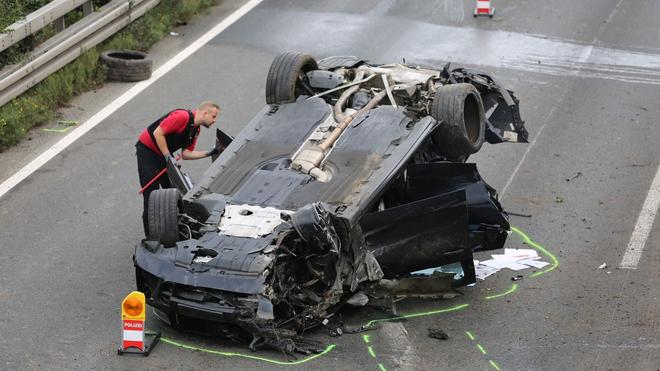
[
  {"x": 286, "y": 79},
  {"x": 127, "y": 65},
  {"x": 164, "y": 216},
  {"x": 460, "y": 112}
]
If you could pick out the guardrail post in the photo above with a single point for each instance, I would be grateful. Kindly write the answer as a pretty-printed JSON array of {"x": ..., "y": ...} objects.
[
  {"x": 88, "y": 8},
  {"x": 59, "y": 24}
]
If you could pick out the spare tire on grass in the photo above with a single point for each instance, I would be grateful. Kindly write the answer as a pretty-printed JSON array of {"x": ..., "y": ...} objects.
[{"x": 127, "y": 65}]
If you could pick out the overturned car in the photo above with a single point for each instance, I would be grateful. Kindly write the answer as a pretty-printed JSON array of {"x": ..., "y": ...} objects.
[{"x": 350, "y": 178}]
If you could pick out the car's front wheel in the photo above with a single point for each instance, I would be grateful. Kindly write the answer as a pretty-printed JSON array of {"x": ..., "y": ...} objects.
[
  {"x": 287, "y": 77},
  {"x": 164, "y": 216},
  {"x": 460, "y": 111}
]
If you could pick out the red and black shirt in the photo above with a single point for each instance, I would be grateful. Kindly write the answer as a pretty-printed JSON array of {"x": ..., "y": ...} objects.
[{"x": 179, "y": 129}]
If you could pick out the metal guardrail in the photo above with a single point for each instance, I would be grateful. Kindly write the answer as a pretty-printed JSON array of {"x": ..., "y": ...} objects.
[
  {"x": 67, "y": 45},
  {"x": 37, "y": 20}
]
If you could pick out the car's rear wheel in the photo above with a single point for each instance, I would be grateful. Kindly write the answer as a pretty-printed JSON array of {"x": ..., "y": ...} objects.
[
  {"x": 287, "y": 78},
  {"x": 460, "y": 111},
  {"x": 164, "y": 216}
]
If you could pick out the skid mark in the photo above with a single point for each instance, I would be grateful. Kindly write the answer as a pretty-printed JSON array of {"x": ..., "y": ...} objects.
[{"x": 463, "y": 45}]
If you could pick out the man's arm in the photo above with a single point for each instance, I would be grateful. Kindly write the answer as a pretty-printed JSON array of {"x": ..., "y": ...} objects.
[
  {"x": 159, "y": 135},
  {"x": 187, "y": 154}
]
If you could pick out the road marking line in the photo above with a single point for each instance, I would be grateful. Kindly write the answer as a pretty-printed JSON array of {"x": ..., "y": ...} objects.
[
  {"x": 643, "y": 226},
  {"x": 585, "y": 55},
  {"x": 101, "y": 115}
]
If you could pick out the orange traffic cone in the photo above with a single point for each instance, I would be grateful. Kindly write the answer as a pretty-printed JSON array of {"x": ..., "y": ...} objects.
[{"x": 484, "y": 8}]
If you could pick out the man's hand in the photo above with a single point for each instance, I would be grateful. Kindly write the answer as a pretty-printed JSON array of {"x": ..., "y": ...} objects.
[
  {"x": 214, "y": 152},
  {"x": 171, "y": 158}
]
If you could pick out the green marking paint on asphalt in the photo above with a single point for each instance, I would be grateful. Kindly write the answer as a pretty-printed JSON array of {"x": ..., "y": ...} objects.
[
  {"x": 232, "y": 354},
  {"x": 481, "y": 349},
  {"x": 367, "y": 338},
  {"x": 413, "y": 315},
  {"x": 68, "y": 124},
  {"x": 513, "y": 288},
  {"x": 529, "y": 241}
]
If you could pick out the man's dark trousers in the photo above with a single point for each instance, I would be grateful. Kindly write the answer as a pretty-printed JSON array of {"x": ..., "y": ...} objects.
[{"x": 149, "y": 165}]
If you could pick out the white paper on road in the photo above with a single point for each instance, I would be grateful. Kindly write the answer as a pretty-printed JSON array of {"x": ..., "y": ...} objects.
[
  {"x": 533, "y": 263},
  {"x": 482, "y": 271},
  {"x": 521, "y": 253},
  {"x": 514, "y": 259},
  {"x": 499, "y": 264}
]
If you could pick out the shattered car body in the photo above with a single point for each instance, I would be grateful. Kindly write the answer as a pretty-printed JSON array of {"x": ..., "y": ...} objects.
[{"x": 351, "y": 177}]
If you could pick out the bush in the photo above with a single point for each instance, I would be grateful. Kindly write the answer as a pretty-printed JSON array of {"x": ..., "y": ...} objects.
[{"x": 38, "y": 105}]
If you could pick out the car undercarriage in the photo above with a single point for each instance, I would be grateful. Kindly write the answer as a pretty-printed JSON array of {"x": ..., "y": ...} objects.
[{"x": 352, "y": 177}]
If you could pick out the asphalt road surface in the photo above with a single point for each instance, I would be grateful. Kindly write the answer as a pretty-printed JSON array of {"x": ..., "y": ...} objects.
[{"x": 588, "y": 77}]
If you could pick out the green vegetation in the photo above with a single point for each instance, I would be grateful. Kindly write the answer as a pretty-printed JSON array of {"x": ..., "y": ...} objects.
[
  {"x": 38, "y": 105},
  {"x": 15, "y": 10}
]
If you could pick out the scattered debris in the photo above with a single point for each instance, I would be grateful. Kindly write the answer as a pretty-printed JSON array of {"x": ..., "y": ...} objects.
[
  {"x": 483, "y": 271},
  {"x": 346, "y": 329},
  {"x": 67, "y": 122},
  {"x": 514, "y": 259},
  {"x": 437, "y": 333},
  {"x": 559, "y": 200},
  {"x": 577, "y": 175},
  {"x": 517, "y": 278},
  {"x": 360, "y": 299},
  {"x": 358, "y": 329},
  {"x": 336, "y": 332},
  {"x": 602, "y": 266},
  {"x": 518, "y": 214},
  {"x": 454, "y": 268}
]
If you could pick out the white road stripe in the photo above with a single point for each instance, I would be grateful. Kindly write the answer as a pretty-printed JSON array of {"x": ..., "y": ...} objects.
[
  {"x": 643, "y": 227},
  {"x": 88, "y": 125}
]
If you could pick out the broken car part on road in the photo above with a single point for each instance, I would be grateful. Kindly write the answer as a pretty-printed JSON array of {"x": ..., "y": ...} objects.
[{"x": 322, "y": 197}]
